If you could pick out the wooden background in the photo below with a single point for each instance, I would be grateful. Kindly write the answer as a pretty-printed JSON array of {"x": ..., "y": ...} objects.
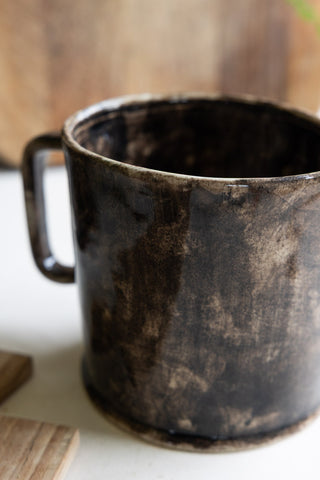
[{"x": 61, "y": 55}]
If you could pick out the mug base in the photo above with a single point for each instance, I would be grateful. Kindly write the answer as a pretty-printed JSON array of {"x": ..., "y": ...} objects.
[{"x": 184, "y": 442}]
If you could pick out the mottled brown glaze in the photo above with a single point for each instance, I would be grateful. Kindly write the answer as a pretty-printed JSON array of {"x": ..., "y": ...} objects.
[
  {"x": 197, "y": 240},
  {"x": 187, "y": 442}
]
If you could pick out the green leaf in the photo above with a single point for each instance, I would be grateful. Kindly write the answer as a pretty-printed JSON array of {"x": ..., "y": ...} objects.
[{"x": 306, "y": 12}]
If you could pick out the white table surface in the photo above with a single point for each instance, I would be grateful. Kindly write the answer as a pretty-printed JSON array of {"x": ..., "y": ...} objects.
[{"x": 42, "y": 318}]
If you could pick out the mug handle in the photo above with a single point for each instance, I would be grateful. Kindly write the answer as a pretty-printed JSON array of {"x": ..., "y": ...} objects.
[{"x": 33, "y": 165}]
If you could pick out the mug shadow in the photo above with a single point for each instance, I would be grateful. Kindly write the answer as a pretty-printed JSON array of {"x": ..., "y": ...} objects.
[{"x": 56, "y": 394}]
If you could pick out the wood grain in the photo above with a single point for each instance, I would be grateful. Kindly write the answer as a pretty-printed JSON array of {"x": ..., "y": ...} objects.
[
  {"x": 57, "y": 57},
  {"x": 33, "y": 450},
  {"x": 15, "y": 369},
  {"x": 254, "y": 48}
]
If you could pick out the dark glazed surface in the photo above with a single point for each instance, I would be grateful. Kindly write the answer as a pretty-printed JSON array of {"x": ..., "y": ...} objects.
[
  {"x": 200, "y": 297},
  {"x": 33, "y": 165},
  {"x": 209, "y": 139}
]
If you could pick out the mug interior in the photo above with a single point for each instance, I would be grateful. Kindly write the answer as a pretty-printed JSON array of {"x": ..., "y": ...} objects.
[{"x": 205, "y": 137}]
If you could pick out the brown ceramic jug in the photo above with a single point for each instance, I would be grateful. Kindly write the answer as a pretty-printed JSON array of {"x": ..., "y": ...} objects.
[{"x": 196, "y": 224}]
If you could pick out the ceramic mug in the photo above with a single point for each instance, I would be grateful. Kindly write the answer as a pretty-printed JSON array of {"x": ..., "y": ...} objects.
[{"x": 196, "y": 223}]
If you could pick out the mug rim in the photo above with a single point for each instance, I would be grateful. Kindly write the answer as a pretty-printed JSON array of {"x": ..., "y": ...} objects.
[{"x": 113, "y": 104}]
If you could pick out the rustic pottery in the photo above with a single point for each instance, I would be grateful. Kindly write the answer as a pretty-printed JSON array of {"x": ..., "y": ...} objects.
[{"x": 196, "y": 225}]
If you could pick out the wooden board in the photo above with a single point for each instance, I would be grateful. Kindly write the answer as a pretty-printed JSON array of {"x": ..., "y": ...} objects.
[
  {"x": 31, "y": 450},
  {"x": 15, "y": 369},
  {"x": 57, "y": 57}
]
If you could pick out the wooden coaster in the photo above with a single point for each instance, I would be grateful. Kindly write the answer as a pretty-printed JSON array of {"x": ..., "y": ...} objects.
[
  {"x": 15, "y": 369},
  {"x": 30, "y": 450},
  {"x": 33, "y": 450}
]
